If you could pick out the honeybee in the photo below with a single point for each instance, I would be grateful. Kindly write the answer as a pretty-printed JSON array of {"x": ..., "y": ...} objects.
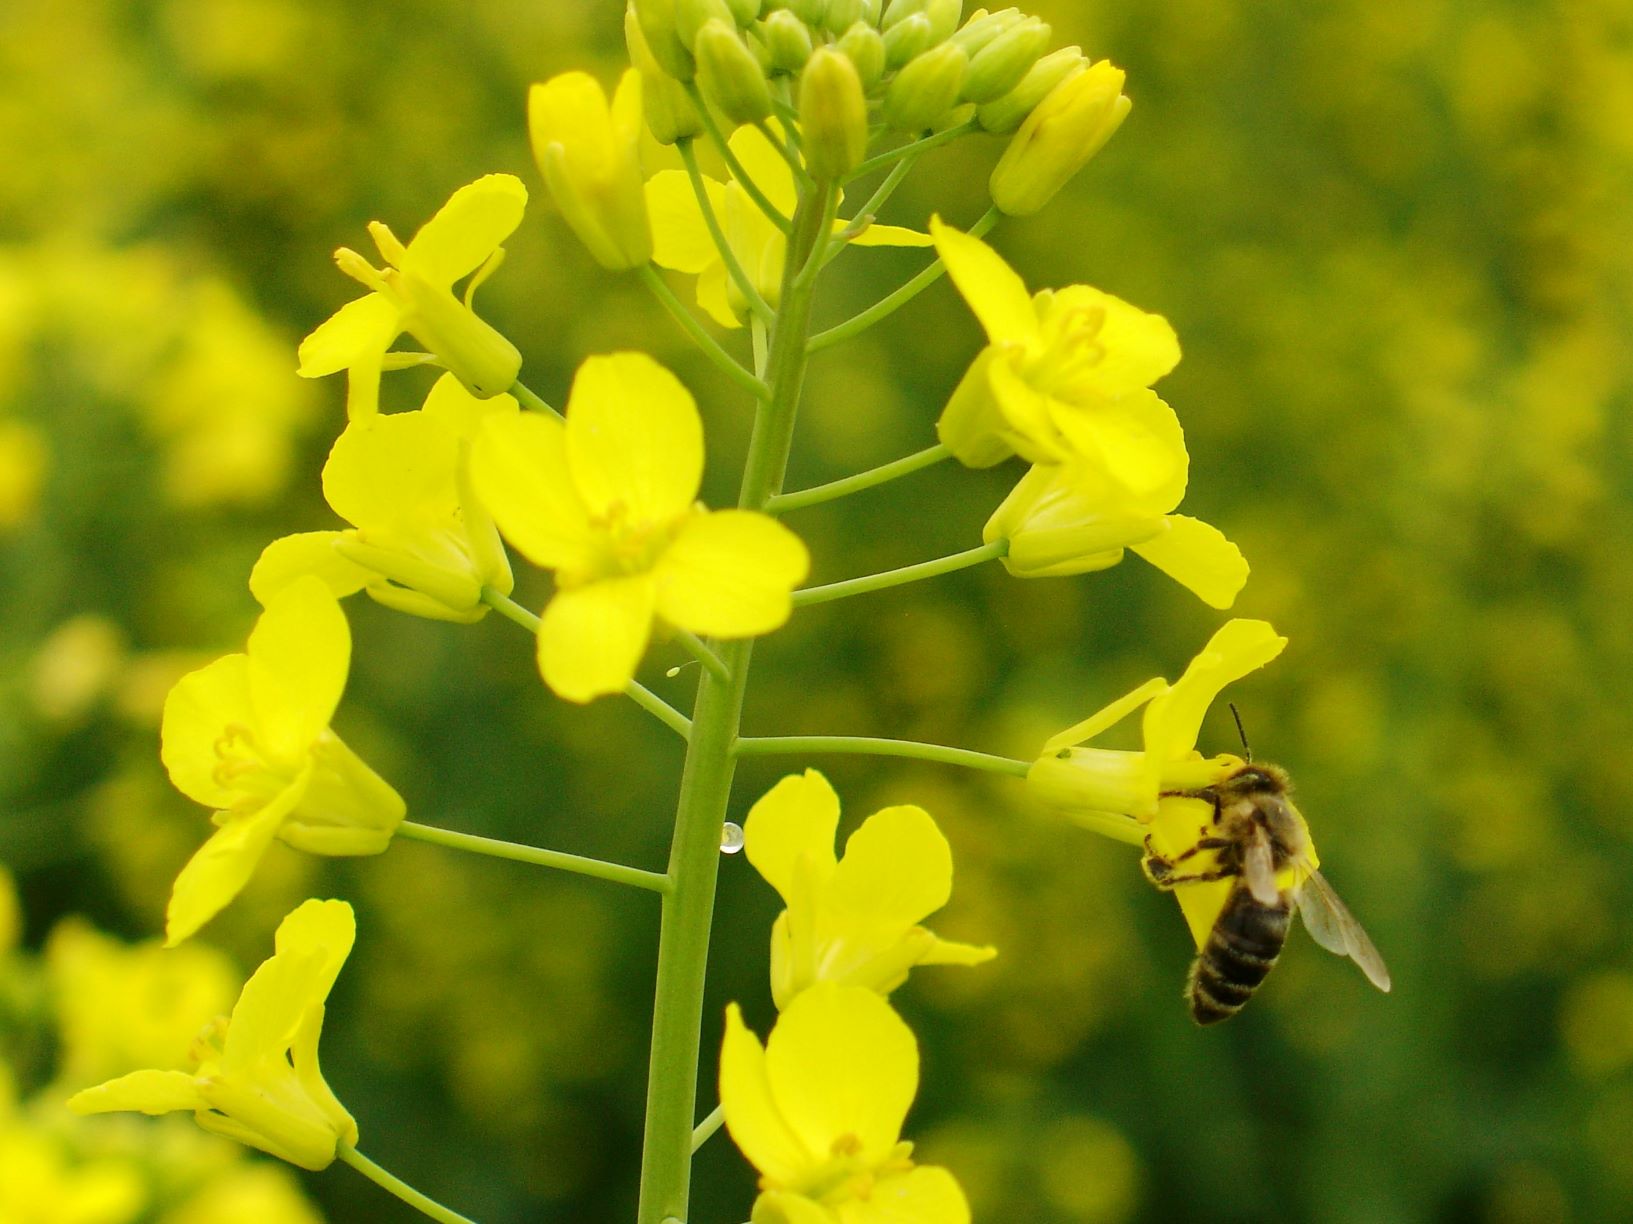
[{"x": 1256, "y": 834}]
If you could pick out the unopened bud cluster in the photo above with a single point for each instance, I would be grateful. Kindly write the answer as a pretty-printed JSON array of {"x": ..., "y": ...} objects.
[{"x": 851, "y": 68}]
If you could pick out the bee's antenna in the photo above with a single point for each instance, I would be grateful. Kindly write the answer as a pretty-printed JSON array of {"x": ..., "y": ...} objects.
[{"x": 1247, "y": 753}]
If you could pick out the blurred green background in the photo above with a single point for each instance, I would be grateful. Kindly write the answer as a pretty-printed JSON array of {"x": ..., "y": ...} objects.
[{"x": 1397, "y": 244}]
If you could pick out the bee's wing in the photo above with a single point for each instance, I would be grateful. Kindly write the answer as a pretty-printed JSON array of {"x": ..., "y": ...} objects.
[
  {"x": 1259, "y": 868},
  {"x": 1333, "y": 927}
]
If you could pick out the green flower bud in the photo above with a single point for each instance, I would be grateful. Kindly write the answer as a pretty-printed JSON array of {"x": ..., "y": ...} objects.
[
  {"x": 787, "y": 41},
  {"x": 983, "y": 27},
  {"x": 900, "y": 10},
  {"x": 871, "y": 12},
  {"x": 692, "y": 15},
  {"x": 842, "y": 15},
  {"x": 657, "y": 18},
  {"x": 1058, "y": 137},
  {"x": 1006, "y": 113},
  {"x": 866, "y": 49},
  {"x": 943, "y": 15},
  {"x": 744, "y": 11},
  {"x": 812, "y": 12},
  {"x": 907, "y": 39},
  {"x": 729, "y": 75},
  {"x": 669, "y": 112},
  {"x": 999, "y": 66},
  {"x": 833, "y": 115},
  {"x": 925, "y": 88}
]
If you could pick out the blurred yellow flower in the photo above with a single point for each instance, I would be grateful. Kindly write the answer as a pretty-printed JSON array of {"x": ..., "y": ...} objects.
[
  {"x": 249, "y": 736},
  {"x": 163, "y": 998},
  {"x": 24, "y": 458},
  {"x": 414, "y": 294},
  {"x": 11, "y": 913},
  {"x": 251, "y": 1191},
  {"x": 256, "y": 1077},
  {"x": 420, "y": 541},
  {"x": 40, "y": 1184},
  {"x": 819, "y": 1108},
  {"x": 1064, "y": 377},
  {"x": 681, "y": 238},
  {"x": 76, "y": 666},
  {"x": 856, "y": 920},
  {"x": 1063, "y": 131},
  {"x": 607, "y": 501},
  {"x": 589, "y": 155},
  {"x": 1070, "y": 519}
]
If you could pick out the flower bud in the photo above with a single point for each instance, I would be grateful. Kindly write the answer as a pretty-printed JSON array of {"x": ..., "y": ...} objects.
[
  {"x": 729, "y": 75},
  {"x": 833, "y": 115},
  {"x": 812, "y": 12},
  {"x": 588, "y": 153},
  {"x": 925, "y": 88},
  {"x": 871, "y": 10},
  {"x": 983, "y": 27},
  {"x": 865, "y": 48},
  {"x": 1005, "y": 114},
  {"x": 657, "y": 18},
  {"x": 670, "y": 115},
  {"x": 692, "y": 15},
  {"x": 743, "y": 11},
  {"x": 1002, "y": 63},
  {"x": 1058, "y": 137},
  {"x": 943, "y": 15},
  {"x": 787, "y": 41},
  {"x": 472, "y": 349},
  {"x": 842, "y": 15},
  {"x": 900, "y": 10},
  {"x": 907, "y": 39}
]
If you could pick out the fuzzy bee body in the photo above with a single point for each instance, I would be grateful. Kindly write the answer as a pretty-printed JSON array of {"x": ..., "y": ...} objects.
[{"x": 1255, "y": 834}]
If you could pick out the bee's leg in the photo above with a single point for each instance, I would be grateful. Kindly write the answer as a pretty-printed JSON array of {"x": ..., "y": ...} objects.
[
  {"x": 1157, "y": 867},
  {"x": 1207, "y": 793},
  {"x": 1204, "y": 842},
  {"x": 1196, "y": 877}
]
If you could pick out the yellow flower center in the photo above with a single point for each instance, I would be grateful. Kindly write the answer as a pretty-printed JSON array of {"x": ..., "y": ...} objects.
[
  {"x": 242, "y": 766},
  {"x": 1069, "y": 352},
  {"x": 629, "y": 545}
]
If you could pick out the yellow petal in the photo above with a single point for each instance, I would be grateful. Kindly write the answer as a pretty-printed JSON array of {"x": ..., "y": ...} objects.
[
  {"x": 795, "y": 818},
  {"x": 730, "y": 573},
  {"x": 1198, "y": 556},
  {"x": 924, "y": 1194},
  {"x": 221, "y": 867},
  {"x": 361, "y": 328},
  {"x": 897, "y": 870},
  {"x": 947, "y": 952},
  {"x": 781, "y": 1207},
  {"x": 312, "y": 944},
  {"x": 713, "y": 297},
  {"x": 887, "y": 235},
  {"x": 765, "y": 167},
  {"x": 1138, "y": 347},
  {"x": 996, "y": 295},
  {"x": 467, "y": 229},
  {"x": 972, "y": 425},
  {"x": 634, "y": 439},
  {"x": 149, "y": 1092},
  {"x": 1104, "y": 719},
  {"x": 306, "y": 552},
  {"x": 1136, "y": 437},
  {"x": 519, "y": 470},
  {"x": 197, "y": 712},
  {"x": 752, "y": 1114},
  {"x": 1174, "y": 719},
  {"x": 299, "y": 655},
  {"x": 841, "y": 1063},
  {"x": 592, "y": 637},
  {"x": 680, "y": 236},
  {"x": 450, "y": 403},
  {"x": 388, "y": 469}
]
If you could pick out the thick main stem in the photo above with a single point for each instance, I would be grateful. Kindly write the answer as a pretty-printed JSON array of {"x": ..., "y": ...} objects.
[{"x": 705, "y": 787}]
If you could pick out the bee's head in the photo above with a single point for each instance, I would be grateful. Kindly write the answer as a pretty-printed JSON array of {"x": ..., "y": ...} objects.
[{"x": 1259, "y": 778}]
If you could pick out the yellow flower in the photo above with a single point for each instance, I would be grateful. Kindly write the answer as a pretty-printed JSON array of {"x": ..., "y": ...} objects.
[
  {"x": 681, "y": 237},
  {"x": 249, "y": 736},
  {"x": 607, "y": 501},
  {"x": 589, "y": 154},
  {"x": 854, "y": 920},
  {"x": 1063, "y": 131},
  {"x": 182, "y": 989},
  {"x": 41, "y": 1184},
  {"x": 24, "y": 461},
  {"x": 818, "y": 1110},
  {"x": 1064, "y": 377},
  {"x": 420, "y": 540},
  {"x": 414, "y": 294},
  {"x": 1102, "y": 788},
  {"x": 1069, "y": 519},
  {"x": 256, "y": 1077}
]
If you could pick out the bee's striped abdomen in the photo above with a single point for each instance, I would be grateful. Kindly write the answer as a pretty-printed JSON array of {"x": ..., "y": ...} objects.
[{"x": 1242, "y": 948}]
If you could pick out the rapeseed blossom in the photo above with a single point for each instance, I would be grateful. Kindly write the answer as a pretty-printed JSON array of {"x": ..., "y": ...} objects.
[
  {"x": 607, "y": 501},
  {"x": 819, "y": 1108},
  {"x": 420, "y": 540},
  {"x": 255, "y": 1075},
  {"x": 1061, "y": 133},
  {"x": 413, "y": 293},
  {"x": 248, "y": 735},
  {"x": 854, "y": 920}
]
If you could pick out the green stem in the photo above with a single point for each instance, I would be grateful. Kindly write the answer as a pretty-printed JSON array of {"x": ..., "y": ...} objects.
[
  {"x": 704, "y": 1130},
  {"x": 532, "y": 401},
  {"x": 915, "y": 149},
  {"x": 617, "y": 873},
  {"x": 705, "y": 789},
  {"x": 783, "y": 745},
  {"x": 889, "y": 305},
  {"x": 634, "y": 690},
  {"x": 749, "y": 186},
  {"x": 395, "y": 1185},
  {"x": 896, "y": 577},
  {"x": 728, "y": 365},
  {"x": 734, "y": 269},
  {"x": 696, "y": 647},
  {"x": 882, "y": 474}
]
